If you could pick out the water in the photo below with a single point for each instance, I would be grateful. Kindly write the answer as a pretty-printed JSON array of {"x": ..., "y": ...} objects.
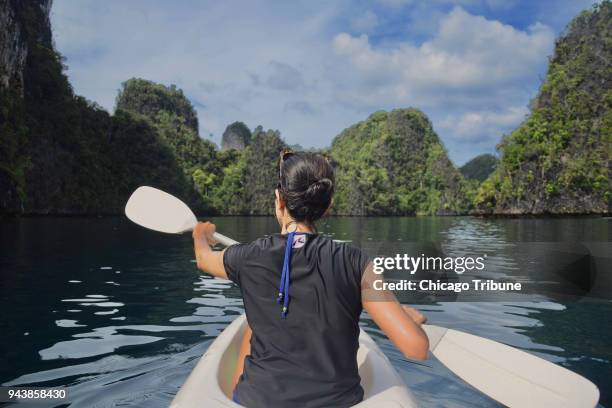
[{"x": 120, "y": 314}]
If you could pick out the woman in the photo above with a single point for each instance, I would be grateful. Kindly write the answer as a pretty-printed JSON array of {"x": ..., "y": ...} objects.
[{"x": 303, "y": 295}]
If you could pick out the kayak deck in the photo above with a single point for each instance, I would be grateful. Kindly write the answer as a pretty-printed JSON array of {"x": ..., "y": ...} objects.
[{"x": 210, "y": 382}]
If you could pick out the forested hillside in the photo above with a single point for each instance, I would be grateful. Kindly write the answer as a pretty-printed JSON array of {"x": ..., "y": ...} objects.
[
  {"x": 60, "y": 153},
  {"x": 394, "y": 164},
  {"x": 479, "y": 168},
  {"x": 557, "y": 161},
  {"x": 174, "y": 119},
  {"x": 63, "y": 154}
]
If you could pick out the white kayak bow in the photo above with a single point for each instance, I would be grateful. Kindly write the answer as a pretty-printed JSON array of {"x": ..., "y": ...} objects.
[{"x": 510, "y": 376}]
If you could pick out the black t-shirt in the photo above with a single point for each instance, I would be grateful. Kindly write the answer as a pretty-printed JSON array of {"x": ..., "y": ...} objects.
[{"x": 307, "y": 359}]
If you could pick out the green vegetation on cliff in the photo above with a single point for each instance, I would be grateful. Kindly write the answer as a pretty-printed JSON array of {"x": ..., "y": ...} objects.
[
  {"x": 13, "y": 163},
  {"x": 394, "y": 164},
  {"x": 248, "y": 183},
  {"x": 479, "y": 168},
  {"x": 557, "y": 161},
  {"x": 60, "y": 153},
  {"x": 171, "y": 114}
]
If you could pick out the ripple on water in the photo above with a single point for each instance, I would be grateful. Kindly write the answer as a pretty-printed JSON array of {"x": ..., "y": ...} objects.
[
  {"x": 106, "y": 312},
  {"x": 149, "y": 381},
  {"x": 81, "y": 300},
  {"x": 89, "y": 347},
  {"x": 104, "y": 304},
  {"x": 68, "y": 323},
  {"x": 216, "y": 301}
]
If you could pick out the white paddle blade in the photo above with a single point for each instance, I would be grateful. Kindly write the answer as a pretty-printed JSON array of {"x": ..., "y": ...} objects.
[
  {"x": 508, "y": 375},
  {"x": 159, "y": 211}
]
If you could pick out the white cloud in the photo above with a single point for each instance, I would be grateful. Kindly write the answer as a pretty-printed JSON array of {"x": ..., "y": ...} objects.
[
  {"x": 484, "y": 126},
  {"x": 300, "y": 106},
  {"x": 474, "y": 77},
  {"x": 293, "y": 66},
  {"x": 285, "y": 77},
  {"x": 467, "y": 52},
  {"x": 233, "y": 63}
]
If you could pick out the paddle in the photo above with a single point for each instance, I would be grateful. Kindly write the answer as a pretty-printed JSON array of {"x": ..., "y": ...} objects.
[
  {"x": 159, "y": 211},
  {"x": 510, "y": 376}
]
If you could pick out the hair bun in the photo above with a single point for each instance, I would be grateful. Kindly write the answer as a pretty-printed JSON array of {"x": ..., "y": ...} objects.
[
  {"x": 304, "y": 199},
  {"x": 320, "y": 191}
]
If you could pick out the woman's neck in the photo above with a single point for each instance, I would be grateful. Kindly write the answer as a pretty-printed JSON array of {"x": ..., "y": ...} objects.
[{"x": 294, "y": 226}]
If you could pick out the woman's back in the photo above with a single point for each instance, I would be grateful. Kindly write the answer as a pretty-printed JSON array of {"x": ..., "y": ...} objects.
[
  {"x": 303, "y": 301},
  {"x": 307, "y": 358}
]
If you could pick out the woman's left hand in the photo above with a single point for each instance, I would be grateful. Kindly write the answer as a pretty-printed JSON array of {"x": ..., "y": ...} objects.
[{"x": 415, "y": 315}]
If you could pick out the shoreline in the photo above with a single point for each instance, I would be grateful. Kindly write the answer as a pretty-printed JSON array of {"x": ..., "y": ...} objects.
[{"x": 604, "y": 215}]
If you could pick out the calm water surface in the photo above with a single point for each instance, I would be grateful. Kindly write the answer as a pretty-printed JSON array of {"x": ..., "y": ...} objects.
[{"x": 120, "y": 314}]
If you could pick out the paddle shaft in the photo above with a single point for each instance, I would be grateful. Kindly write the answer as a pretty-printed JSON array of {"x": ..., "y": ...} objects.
[{"x": 222, "y": 239}]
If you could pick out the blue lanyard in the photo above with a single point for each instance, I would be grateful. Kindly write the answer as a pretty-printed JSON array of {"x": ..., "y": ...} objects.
[{"x": 283, "y": 292}]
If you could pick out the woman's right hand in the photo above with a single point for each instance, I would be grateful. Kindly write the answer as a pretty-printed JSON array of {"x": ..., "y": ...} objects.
[
  {"x": 204, "y": 230},
  {"x": 415, "y": 315}
]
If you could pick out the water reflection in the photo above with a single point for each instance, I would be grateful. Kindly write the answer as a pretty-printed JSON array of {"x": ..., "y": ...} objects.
[{"x": 122, "y": 316}]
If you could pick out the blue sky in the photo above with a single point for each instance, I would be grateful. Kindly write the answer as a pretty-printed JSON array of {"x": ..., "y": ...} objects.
[{"x": 312, "y": 68}]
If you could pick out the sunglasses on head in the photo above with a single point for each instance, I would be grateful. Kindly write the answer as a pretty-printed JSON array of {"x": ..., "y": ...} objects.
[{"x": 284, "y": 155}]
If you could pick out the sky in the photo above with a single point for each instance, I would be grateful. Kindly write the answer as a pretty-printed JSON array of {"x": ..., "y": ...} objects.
[{"x": 313, "y": 68}]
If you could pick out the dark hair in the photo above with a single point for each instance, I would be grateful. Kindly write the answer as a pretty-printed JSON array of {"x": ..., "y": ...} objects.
[{"x": 306, "y": 185}]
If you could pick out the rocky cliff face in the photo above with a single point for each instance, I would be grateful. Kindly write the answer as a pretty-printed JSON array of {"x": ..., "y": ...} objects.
[
  {"x": 174, "y": 118},
  {"x": 16, "y": 37},
  {"x": 251, "y": 176},
  {"x": 236, "y": 136},
  {"x": 557, "y": 161},
  {"x": 13, "y": 48},
  {"x": 22, "y": 24},
  {"x": 157, "y": 102},
  {"x": 59, "y": 153},
  {"x": 393, "y": 163}
]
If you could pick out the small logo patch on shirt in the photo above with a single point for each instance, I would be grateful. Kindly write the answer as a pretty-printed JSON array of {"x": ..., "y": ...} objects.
[{"x": 299, "y": 241}]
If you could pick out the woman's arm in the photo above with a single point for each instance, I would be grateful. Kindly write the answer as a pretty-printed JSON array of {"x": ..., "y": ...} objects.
[
  {"x": 211, "y": 262},
  {"x": 208, "y": 261},
  {"x": 401, "y": 324}
]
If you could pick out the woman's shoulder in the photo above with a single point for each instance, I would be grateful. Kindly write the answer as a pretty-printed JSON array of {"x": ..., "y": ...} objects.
[
  {"x": 266, "y": 242},
  {"x": 343, "y": 248}
]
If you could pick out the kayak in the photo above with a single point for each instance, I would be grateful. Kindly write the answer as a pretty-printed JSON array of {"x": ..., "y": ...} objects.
[{"x": 210, "y": 382}]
